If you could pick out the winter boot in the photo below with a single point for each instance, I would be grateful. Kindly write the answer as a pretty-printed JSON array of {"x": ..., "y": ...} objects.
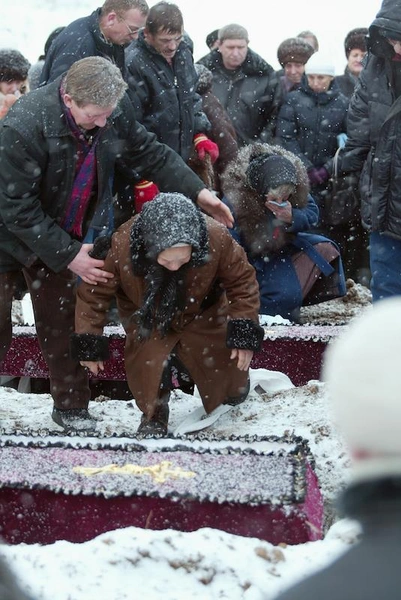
[
  {"x": 157, "y": 426},
  {"x": 234, "y": 401},
  {"x": 74, "y": 419}
]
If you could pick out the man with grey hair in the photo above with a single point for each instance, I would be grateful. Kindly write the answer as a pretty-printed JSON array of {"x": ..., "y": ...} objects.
[
  {"x": 244, "y": 83},
  {"x": 105, "y": 33},
  {"x": 60, "y": 147}
]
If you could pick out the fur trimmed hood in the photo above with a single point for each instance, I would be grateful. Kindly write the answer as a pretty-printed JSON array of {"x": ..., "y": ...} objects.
[{"x": 262, "y": 233}]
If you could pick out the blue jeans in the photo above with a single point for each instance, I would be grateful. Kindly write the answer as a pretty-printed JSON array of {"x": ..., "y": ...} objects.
[{"x": 385, "y": 265}]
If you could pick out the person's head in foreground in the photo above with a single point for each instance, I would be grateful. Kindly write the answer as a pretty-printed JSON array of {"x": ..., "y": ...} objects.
[
  {"x": 91, "y": 91},
  {"x": 362, "y": 370}
]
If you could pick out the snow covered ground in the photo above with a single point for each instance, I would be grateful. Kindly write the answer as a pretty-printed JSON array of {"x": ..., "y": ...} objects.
[{"x": 206, "y": 564}]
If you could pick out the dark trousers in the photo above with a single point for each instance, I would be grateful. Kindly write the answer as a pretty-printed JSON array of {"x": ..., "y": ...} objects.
[
  {"x": 53, "y": 300},
  {"x": 385, "y": 266}
]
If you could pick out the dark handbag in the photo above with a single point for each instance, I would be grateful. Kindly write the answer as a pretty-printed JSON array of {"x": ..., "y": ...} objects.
[{"x": 341, "y": 199}]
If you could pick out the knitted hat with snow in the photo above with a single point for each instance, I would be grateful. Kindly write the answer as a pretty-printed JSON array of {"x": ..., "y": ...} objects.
[
  {"x": 294, "y": 50},
  {"x": 356, "y": 38},
  {"x": 267, "y": 172},
  {"x": 168, "y": 219},
  {"x": 318, "y": 64},
  {"x": 362, "y": 371},
  {"x": 13, "y": 65}
]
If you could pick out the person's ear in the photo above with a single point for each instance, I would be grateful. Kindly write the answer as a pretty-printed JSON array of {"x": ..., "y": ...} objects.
[
  {"x": 67, "y": 100},
  {"x": 111, "y": 18}
]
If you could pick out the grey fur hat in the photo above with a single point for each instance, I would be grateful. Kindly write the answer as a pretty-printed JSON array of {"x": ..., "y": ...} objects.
[
  {"x": 294, "y": 50},
  {"x": 13, "y": 65}
]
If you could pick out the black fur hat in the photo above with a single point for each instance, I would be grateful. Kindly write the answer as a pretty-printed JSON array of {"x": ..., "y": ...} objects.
[
  {"x": 294, "y": 50},
  {"x": 13, "y": 65},
  {"x": 356, "y": 38}
]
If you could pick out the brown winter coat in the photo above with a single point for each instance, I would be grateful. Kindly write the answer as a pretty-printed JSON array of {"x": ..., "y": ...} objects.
[{"x": 199, "y": 335}]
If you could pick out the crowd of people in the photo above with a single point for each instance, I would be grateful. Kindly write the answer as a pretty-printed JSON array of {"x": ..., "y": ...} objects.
[{"x": 195, "y": 197}]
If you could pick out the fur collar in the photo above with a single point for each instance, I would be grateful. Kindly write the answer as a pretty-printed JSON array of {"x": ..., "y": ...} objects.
[{"x": 261, "y": 232}]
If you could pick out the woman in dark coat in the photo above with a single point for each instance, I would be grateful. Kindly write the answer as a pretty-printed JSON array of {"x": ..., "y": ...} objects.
[
  {"x": 310, "y": 120},
  {"x": 309, "y": 124},
  {"x": 267, "y": 189},
  {"x": 186, "y": 291}
]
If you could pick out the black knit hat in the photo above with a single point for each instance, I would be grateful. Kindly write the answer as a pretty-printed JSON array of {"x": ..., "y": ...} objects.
[
  {"x": 356, "y": 38},
  {"x": 267, "y": 172},
  {"x": 294, "y": 50},
  {"x": 13, "y": 65}
]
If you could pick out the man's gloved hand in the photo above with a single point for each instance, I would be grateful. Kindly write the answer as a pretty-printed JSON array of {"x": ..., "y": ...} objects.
[
  {"x": 318, "y": 176},
  {"x": 144, "y": 191},
  {"x": 205, "y": 146}
]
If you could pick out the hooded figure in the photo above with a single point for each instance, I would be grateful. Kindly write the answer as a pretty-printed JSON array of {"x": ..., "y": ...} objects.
[
  {"x": 185, "y": 291},
  {"x": 373, "y": 148},
  {"x": 267, "y": 189}
]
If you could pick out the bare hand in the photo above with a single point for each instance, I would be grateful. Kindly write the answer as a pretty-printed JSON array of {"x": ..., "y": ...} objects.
[
  {"x": 215, "y": 207},
  {"x": 282, "y": 211},
  {"x": 94, "y": 366},
  {"x": 87, "y": 268},
  {"x": 244, "y": 358}
]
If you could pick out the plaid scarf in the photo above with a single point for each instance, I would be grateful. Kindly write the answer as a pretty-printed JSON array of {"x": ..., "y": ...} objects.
[{"x": 85, "y": 177}]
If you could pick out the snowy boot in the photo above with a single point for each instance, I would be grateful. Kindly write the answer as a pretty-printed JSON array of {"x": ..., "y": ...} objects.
[
  {"x": 156, "y": 426},
  {"x": 74, "y": 419}
]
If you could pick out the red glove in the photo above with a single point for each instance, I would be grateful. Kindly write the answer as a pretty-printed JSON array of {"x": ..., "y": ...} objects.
[
  {"x": 203, "y": 145},
  {"x": 144, "y": 191}
]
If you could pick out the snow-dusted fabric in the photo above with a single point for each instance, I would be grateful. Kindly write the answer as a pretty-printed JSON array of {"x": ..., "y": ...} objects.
[{"x": 362, "y": 370}]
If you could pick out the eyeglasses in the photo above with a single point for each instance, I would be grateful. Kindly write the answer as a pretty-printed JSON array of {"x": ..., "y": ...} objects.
[{"x": 131, "y": 30}]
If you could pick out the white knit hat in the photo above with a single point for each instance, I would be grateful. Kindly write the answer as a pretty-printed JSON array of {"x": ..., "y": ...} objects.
[
  {"x": 362, "y": 369},
  {"x": 319, "y": 64}
]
